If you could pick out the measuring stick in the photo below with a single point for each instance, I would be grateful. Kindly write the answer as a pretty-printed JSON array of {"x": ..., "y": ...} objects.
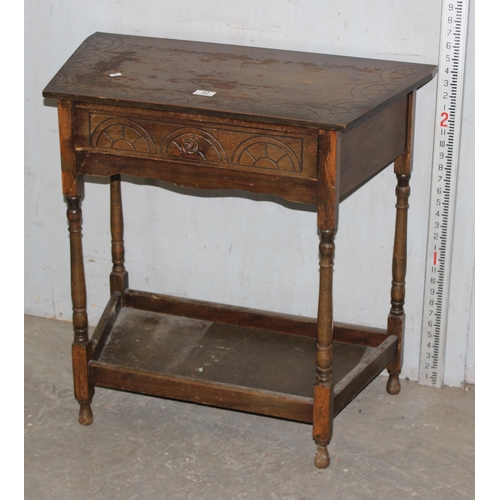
[{"x": 443, "y": 189}]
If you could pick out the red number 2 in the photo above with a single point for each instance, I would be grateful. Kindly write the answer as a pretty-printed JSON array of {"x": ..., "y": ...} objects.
[{"x": 445, "y": 117}]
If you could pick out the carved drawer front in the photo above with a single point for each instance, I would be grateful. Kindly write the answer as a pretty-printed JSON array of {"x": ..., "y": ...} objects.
[{"x": 218, "y": 143}]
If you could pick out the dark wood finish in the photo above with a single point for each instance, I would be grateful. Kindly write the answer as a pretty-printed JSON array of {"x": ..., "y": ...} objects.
[
  {"x": 177, "y": 137},
  {"x": 118, "y": 279},
  {"x": 276, "y": 86},
  {"x": 361, "y": 158},
  {"x": 185, "y": 389},
  {"x": 396, "y": 319},
  {"x": 310, "y": 128},
  {"x": 358, "y": 335},
  {"x": 243, "y": 316},
  {"x": 323, "y": 389},
  {"x": 199, "y": 177},
  {"x": 72, "y": 184},
  {"x": 366, "y": 370},
  {"x": 232, "y": 315},
  {"x": 82, "y": 347},
  {"x": 178, "y": 348},
  {"x": 105, "y": 325},
  {"x": 328, "y": 180}
]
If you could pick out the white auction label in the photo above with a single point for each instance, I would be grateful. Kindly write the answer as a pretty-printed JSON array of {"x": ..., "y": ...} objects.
[{"x": 206, "y": 93}]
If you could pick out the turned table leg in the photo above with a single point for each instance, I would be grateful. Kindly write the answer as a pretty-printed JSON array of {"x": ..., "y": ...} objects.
[
  {"x": 396, "y": 319},
  {"x": 82, "y": 346},
  {"x": 118, "y": 278},
  {"x": 328, "y": 173},
  {"x": 323, "y": 389}
]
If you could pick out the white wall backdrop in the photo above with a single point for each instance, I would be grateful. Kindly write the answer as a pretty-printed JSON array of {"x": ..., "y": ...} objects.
[{"x": 245, "y": 250}]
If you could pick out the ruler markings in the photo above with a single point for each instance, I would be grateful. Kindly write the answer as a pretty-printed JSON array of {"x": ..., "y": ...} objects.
[{"x": 443, "y": 186}]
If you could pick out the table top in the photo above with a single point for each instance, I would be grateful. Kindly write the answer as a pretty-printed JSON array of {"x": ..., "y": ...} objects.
[{"x": 268, "y": 85}]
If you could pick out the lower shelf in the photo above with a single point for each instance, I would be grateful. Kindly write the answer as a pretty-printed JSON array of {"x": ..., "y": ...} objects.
[{"x": 226, "y": 365}]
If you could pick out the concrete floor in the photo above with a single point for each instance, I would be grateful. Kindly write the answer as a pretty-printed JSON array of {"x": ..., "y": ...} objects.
[{"x": 418, "y": 445}]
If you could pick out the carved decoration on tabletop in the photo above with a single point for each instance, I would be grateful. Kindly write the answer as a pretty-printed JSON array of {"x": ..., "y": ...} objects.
[
  {"x": 363, "y": 95},
  {"x": 103, "y": 54}
]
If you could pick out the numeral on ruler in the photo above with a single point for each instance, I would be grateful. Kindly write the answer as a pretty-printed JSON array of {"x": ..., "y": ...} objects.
[{"x": 443, "y": 189}]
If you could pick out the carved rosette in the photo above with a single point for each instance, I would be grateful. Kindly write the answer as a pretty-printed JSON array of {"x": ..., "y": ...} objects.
[{"x": 193, "y": 144}]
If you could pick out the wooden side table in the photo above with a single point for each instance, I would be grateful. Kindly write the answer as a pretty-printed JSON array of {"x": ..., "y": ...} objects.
[{"x": 310, "y": 128}]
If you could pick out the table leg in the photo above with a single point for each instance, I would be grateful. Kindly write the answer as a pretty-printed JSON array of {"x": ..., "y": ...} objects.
[
  {"x": 82, "y": 346},
  {"x": 328, "y": 178},
  {"x": 118, "y": 278},
  {"x": 396, "y": 320},
  {"x": 323, "y": 389}
]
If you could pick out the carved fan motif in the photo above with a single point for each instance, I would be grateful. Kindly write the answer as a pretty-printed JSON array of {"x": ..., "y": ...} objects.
[
  {"x": 363, "y": 94},
  {"x": 343, "y": 110},
  {"x": 105, "y": 42},
  {"x": 398, "y": 74},
  {"x": 193, "y": 144},
  {"x": 123, "y": 134},
  {"x": 372, "y": 92},
  {"x": 266, "y": 153}
]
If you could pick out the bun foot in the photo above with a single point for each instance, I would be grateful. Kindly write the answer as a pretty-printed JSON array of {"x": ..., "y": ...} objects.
[
  {"x": 393, "y": 384},
  {"x": 322, "y": 458},
  {"x": 85, "y": 416}
]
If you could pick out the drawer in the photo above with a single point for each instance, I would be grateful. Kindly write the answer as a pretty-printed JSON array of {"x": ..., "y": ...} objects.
[{"x": 197, "y": 139}]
